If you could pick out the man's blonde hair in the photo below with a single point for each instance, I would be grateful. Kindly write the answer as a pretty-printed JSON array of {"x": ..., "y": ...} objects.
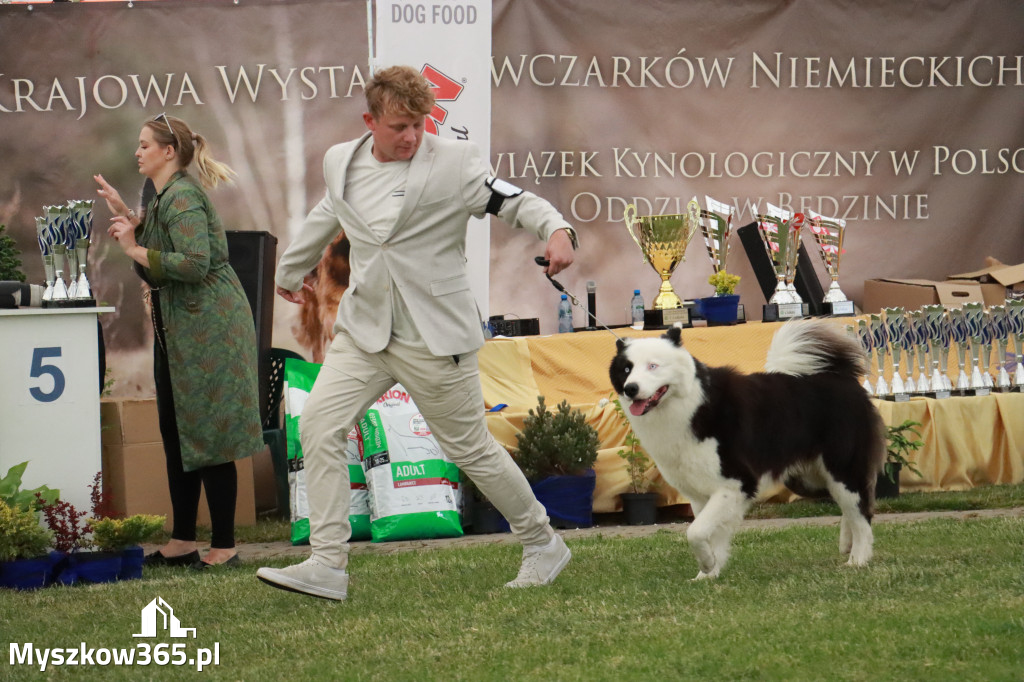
[{"x": 399, "y": 90}]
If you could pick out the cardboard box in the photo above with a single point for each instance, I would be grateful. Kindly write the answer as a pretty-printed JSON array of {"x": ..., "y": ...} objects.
[
  {"x": 136, "y": 477},
  {"x": 135, "y": 467},
  {"x": 996, "y": 281},
  {"x": 126, "y": 422},
  {"x": 911, "y": 294}
]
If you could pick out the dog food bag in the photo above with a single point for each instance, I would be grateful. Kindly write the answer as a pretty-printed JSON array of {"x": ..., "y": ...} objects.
[
  {"x": 298, "y": 381},
  {"x": 414, "y": 488}
]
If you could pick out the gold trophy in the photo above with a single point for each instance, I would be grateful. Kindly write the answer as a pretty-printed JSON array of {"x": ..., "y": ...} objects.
[{"x": 663, "y": 240}]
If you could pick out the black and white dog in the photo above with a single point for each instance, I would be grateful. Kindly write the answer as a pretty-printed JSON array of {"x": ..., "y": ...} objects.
[{"x": 720, "y": 437}]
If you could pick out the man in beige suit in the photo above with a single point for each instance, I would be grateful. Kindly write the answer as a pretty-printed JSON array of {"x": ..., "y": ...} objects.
[{"x": 404, "y": 200}]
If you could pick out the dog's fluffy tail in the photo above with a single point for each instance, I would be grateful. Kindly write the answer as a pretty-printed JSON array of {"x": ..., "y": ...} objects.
[{"x": 804, "y": 347}]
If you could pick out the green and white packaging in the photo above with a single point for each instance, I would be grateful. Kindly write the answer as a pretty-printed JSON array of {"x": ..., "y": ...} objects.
[
  {"x": 414, "y": 488},
  {"x": 298, "y": 381}
]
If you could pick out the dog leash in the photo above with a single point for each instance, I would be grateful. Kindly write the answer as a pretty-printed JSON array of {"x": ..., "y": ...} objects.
[{"x": 544, "y": 262}]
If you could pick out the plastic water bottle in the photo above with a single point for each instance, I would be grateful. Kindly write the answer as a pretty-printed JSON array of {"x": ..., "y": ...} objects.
[
  {"x": 636, "y": 307},
  {"x": 564, "y": 315}
]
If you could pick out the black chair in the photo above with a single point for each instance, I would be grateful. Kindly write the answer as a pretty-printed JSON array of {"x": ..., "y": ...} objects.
[{"x": 274, "y": 427}]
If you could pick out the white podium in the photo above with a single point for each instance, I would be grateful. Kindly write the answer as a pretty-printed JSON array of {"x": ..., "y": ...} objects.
[{"x": 50, "y": 398}]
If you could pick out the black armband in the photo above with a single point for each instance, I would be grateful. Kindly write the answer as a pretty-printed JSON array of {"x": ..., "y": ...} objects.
[{"x": 500, "y": 190}]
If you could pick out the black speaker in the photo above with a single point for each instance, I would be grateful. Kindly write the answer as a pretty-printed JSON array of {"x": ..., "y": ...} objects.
[
  {"x": 806, "y": 282},
  {"x": 253, "y": 256}
]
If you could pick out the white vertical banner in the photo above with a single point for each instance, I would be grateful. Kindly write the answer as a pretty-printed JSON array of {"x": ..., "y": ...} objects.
[{"x": 450, "y": 43}]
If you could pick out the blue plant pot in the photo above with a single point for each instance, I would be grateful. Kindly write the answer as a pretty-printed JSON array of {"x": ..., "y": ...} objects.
[
  {"x": 132, "y": 559},
  {"x": 25, "y": 574},
  {"x": 89, "y": 567},
  {"x": 569, "y": 500},
  {"x": 719, "y": 310}
]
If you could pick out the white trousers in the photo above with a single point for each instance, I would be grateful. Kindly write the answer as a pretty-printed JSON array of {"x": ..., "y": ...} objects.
[{"x": 449, "y": 396}]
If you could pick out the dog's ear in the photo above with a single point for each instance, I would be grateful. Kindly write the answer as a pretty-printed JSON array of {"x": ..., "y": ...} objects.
[
  {"x": 674, "y": 334},
  {"x": 620, "y": 345}
]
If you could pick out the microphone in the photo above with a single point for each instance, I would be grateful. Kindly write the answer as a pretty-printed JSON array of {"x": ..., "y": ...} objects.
[{"x": 592, "y": 302}]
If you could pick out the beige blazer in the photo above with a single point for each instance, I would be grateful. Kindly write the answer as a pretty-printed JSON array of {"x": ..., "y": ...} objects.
[{"x": 424, "y": 253}]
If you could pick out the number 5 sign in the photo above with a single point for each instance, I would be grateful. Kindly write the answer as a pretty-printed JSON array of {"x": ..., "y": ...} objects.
[{"x": 49, "y": 398}]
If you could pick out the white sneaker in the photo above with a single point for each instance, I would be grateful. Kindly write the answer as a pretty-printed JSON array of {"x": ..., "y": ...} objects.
[
  {"x": 310, "y": 577},
  {"x": 541, "y": 565}
]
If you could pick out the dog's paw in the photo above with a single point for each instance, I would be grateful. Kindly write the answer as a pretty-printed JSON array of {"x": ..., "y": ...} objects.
[
  {"x": 858, "y": 561},
  {"x": 704, "y": 576}
]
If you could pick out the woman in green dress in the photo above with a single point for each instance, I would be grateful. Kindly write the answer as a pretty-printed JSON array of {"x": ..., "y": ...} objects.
[{"x": 204, "y": 354}]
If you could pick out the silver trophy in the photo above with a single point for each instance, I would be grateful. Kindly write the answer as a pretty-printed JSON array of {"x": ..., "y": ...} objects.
[
  {"x": 80, "y": 231},
  {"x": 880, "y": 340},
  {"x": 987, "y": 337},
  {"x": 56, "y": 225},
  {"x": 974, "y": 319},
  {"x": 938, "y": 326},
  {"x": 716, "y": 226},
  {"x": 864, "y": 335},
  {"x": 962, "y": 339},
  {"x": 896, "y": 331},
  {"x": 1000, "y": 335},
  {"x": 46, "y": 250},
  {"x": 829, "y": 234},
  {"x": 780, "y": 234},
  {"x": 1015, "y": 325},
  {"x": 919, "y": 334}
]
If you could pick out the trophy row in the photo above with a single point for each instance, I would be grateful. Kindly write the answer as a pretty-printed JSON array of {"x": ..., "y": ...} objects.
[
  {"x": 918, "y": 344},
  {"x": 663, "y": 240},
  {"x": 63, "y": 233}
]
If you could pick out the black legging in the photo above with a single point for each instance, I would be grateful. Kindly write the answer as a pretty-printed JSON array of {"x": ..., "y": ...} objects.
[{"x": 220, "y": 480}]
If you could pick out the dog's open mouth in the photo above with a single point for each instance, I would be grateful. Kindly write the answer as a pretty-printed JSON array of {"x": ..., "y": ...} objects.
[{"x": 640, "y": 407}]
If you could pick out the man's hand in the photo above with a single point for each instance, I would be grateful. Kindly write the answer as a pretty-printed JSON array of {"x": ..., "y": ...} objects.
[
  {"x": 295, "y": 296},
  {"x": 559, "y": 252}
]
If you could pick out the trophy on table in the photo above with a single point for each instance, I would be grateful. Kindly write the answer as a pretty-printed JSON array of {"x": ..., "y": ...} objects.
[
  {"x": 64, "y": 234},
  {"x": 999, "y": 332},
  {"x": 663, "y": 240},
  {"x": 829, "y": 235},
  {"x": 962, "y": 339},
  {"x": 1015, "y": 325},
  {"x": 80, "y": 231},
  {"x": 46, "y": 249},
  {"x": 716, "y": 226},
  {"x": 974, "y": 318},
  {"x": 919, "y": 337},
  {"x": 780, "y": 234},
  {"x": 880, "y": 340},
  {"x": 56, "y": 228},
  {"x": 864, "y": 335},
  {"x": 896, "y": 331},
  {"x": 938, "y": 326}
]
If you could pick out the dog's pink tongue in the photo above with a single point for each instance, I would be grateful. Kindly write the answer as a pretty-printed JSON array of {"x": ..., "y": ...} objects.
[{"x": 637, "y": 407}]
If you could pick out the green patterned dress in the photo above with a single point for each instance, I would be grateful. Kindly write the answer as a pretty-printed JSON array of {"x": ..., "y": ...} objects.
[{"x": 209, "y": 332}]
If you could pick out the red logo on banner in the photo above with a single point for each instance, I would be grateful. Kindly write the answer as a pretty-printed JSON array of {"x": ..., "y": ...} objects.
[{"x": 445, "y": 90}]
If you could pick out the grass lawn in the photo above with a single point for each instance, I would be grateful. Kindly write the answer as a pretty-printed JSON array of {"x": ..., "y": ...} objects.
[{"x": 942, "y": 600}]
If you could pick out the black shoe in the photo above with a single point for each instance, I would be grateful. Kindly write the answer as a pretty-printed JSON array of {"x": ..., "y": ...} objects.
[
  {"x": 158, "y": 559},
  {"x": 200, "y": 565}
]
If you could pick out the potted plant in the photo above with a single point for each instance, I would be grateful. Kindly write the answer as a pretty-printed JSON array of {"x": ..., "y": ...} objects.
[
  {"x": 11, "y": 493},
  {"x": 723, "y": 307},
  {"x": 898, "y": 447},
  {"x": 125, "y": 537},
  {"x": 556, "y": 451},
  {"x": 639, "y": 505},
  {"x": 24, "y": 564},
  {"x": 73, "y": 541}
]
